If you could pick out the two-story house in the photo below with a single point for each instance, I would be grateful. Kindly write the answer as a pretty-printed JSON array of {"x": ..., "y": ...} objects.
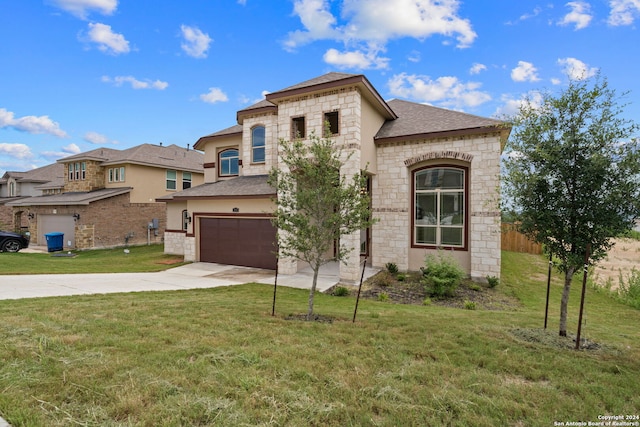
[
  {"x": 433, "y": 179},
  {"x": 107, "y": 197}
]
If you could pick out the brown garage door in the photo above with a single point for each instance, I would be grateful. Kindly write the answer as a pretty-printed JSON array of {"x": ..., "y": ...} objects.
[{"x": 238, "y": 241}]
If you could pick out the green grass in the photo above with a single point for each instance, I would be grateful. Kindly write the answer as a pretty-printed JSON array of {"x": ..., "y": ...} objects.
[
  {"x": 139, "y": 259},
  {"x": 217, "y": 357}
]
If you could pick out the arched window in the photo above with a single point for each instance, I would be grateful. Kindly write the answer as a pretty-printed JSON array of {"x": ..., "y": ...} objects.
[
  {"x": 229, "y": 162},
  {"x": 440, "y": 207},
  {"x": 257, "y": 144}
]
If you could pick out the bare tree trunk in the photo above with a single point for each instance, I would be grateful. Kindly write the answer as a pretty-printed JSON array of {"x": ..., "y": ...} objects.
[
  {"x": 312, "y": 293},
  {"x": 564, "y": 303}
]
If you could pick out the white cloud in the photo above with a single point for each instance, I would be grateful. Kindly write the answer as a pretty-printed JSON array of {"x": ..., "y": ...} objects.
[
  {"x": 477, "y": 68},
  {"x": 242, "y": 2},
  {"x": 378, "y": 21},
  {"x": 196, "y": 43},
  {"x": 17, "y": 151},
  {"x": 107, "y": 40},
  {"x": 623, "y": 12},
  {"x": 576, "y": 69},
  {"x": 511, "y": 106},
  {"x": 30, "y": 124},
  {"x": 135, "y": 83},
  {"x": 556, "y": 81},
  {"x": 71, "y": 149},
  {"x": 81, "y": 8},
  {"x": 214, "y": 95},
  {"x": 96, "y": 138},
  {"x": 356, "y": 59},
  {"x": 414, "y": 56},
  {"x": 525, "y": 72},
  {"x": 580, "y": 15},
  {"x": 447, "y": 90}
]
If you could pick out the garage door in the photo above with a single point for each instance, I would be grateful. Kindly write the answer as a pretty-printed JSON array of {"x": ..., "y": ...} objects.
[
  {"x": 57, "y": 224},
  {"x": 238, "y": 241}
]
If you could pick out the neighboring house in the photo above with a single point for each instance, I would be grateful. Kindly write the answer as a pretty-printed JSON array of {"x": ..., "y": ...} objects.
[
  {"x": 106, "y": 197},
  {"x": 433, "y": 179},
  {"x": 18, "y": 185}
]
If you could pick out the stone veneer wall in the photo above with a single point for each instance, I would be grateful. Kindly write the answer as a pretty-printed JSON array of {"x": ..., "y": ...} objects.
[
  {"x": 391, "y": 237},
  {"x": 347, "y": 101},
  {"x": 94, "y": 178}
]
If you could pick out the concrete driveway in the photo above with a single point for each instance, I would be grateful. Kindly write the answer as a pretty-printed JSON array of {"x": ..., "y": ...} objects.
[{"x": 190, "y": 276}]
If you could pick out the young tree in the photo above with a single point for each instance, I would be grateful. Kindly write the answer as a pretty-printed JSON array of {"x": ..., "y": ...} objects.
[
  {"x": 316, "y": 205},
  {"x": 572, "y": 170}
]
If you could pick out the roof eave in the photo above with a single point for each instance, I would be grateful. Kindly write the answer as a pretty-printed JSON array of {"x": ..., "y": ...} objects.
[
  {"x": 447, "y": 134},
  {"x": 240, "y": 115},
  {"x": 204, "y": 139}
]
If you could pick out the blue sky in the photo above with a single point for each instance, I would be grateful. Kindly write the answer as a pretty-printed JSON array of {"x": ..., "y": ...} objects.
[{"x": 79, "y": 74}]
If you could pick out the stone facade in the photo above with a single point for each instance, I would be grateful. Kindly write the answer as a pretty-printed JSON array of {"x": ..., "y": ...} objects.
[
  {"x": 392, "y": 197},
  {"x": 94, "y": 176}
]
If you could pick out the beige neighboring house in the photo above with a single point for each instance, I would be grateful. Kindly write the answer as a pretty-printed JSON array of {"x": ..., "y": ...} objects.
[
  {"x": 107, "y": 197},
  {"x": 433, "y": 179}
]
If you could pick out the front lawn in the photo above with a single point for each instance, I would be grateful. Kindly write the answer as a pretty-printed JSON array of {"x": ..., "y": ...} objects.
[
  {"x": 217, "y": 357},
  {"x": 138, "y": 259}
]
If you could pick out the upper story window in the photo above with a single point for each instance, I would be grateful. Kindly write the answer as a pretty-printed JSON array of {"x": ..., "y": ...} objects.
[
  {"x": 171, "y": 180},
  {"x": 186, "y": 180},
  {"x": 298, "y": 128},
  {"x": 12, "y": 189},
  {"x": 116, "y": 174},
  {"x": 229, "y": 162},
  {"x": 330, "y": 123},
  {"x": 440, "y": 197},
  {"x": 258, "y": 144},
  {"x": 77, "y": 171}
]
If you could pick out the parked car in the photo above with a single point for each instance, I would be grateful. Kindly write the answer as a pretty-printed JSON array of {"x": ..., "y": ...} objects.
[{"x": 13, "y": 242}]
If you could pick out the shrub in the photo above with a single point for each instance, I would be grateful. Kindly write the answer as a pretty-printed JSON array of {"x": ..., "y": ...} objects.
[
  {"x": 426, "y": 301},
  {"x": 383, "y": 296},
  {"x": 442, "y": 275},
  {"x": 629, "y": 289},
  {"x": 384, "y": 279},
  {"x": 401, "y": 277},
  {"x": 493, "y": 281},
  {"x": 341, "y": 291},
  {"x": 469, "y": 305},
  {"x": 391, "y": 267},
  {"x": 475, "y": 287}
]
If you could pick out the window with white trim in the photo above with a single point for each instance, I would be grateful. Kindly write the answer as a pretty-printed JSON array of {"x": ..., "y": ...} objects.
[
  {"x": 258, "y": 144},
  {"x": 439, "y": 207},
  {"x": 186, "y": 180},
  {"x": 171, "y": 179},
  {"x": 229, "y": 162},
  {"x": 116, "y": 174}
]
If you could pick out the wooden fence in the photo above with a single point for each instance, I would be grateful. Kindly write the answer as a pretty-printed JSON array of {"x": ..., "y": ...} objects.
[{"x": 513, "y": 240}]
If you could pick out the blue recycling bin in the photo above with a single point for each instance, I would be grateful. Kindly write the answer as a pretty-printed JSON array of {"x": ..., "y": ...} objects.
[{"x": 55, "y": 241}]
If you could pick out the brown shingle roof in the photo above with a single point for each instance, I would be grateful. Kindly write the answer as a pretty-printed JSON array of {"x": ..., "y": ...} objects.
[
  {"x": 425, "y": 121},
  {"x": 72, "y": 198},
  {"x": 171, "y": 156},
  {"x": 242, "y": 186}
]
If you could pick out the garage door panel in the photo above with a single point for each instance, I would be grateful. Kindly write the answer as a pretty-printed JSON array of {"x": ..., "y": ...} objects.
[{"x": 238, "y": 241}]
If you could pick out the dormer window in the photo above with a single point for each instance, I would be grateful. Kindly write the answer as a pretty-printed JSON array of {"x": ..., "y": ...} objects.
[
  {"x": 258, "y": 144},
  {"x": 229, "y": 162}
]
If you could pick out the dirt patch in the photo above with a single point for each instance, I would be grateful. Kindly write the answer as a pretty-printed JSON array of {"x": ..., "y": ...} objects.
[
  {"x": 171, "y": 261},
  {"x": 621, "y": 259},
  {"x": 243, "y": 274},
  {"x": 314, "y": 318},
  {"x": 386, "y": 287},
  {"x": 551, "y": 339}
]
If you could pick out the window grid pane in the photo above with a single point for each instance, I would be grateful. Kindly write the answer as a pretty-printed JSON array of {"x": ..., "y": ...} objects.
[{"x": 439, "y": 207}]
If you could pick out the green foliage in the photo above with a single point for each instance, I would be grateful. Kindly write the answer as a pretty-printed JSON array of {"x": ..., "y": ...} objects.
[
  {"x": 383, "y": 297},
  {"x": 401, "y": 277},
  {"x": 493, "y": 281},
  {"x": 426, "y": 301},
  {"x": 630, "y": 234},
  {"x": 391, "y": 267},
  {"x": 341, "y": 291},
  {"x": 629, "y": 289},
  {"x": 442, "y": 275},
  {"x": 571, "y": 173},
  {"x": 469, "y": 305},
  {"x": 316, "y": 203},
  {"x": 475, "y": 287}
]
